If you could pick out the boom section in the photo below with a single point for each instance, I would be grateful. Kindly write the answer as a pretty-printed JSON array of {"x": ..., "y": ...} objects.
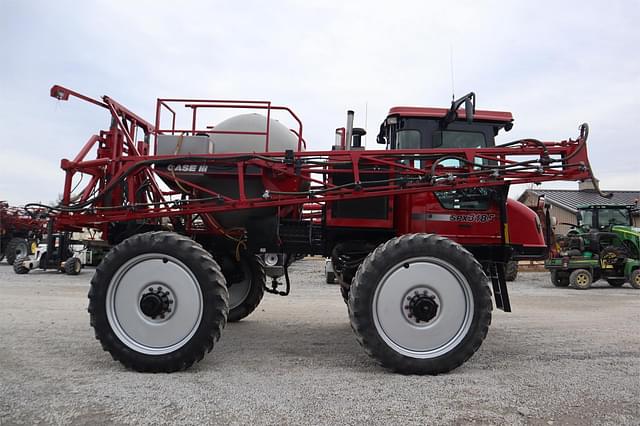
[{"x": 403, "y": 172}]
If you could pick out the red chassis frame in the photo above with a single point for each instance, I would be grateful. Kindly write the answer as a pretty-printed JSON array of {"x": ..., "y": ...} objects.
[{"x": 124, "y": 186}]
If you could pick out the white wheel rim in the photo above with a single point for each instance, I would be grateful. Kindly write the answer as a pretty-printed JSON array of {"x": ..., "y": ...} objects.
[
  {"x": 239, "y": 291},
  {"x": 22, "y": 249},
  {"x": 445, "y": 285},
  {"x": 154, "y": 336}
]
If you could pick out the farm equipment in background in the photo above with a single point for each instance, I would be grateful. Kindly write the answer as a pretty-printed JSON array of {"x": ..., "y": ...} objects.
[
  {"x": 201, "y": 216},
  {"x": 604, "y": 245},
  {"x": 20, "y": 231},
  {"x": 59, "y": 251}
]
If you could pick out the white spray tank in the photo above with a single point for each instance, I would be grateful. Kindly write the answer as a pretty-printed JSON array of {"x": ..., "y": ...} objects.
[{"x": 222, "y": 179}]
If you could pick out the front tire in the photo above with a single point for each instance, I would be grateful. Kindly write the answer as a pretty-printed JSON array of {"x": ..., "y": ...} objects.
[
  {"x": 72, "y": 266},
  {"x": 158, "y": 302},
  {"x": 634, "y": 279},
  {"x": 420, "y": 304}
]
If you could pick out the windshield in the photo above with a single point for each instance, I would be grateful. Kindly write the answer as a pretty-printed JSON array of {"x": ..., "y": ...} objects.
[
  {"x": 613, "y": 217},
  {"x": 456, "y": 139}
]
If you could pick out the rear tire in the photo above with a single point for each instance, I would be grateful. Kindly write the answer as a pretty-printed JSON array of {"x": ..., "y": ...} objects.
[
  {"x": 18, "y": 266},
  {"x": 245, "y": 294},
  {"x": 559, "y": 280},
  {"x": 581, "y": 279},
  {"x": 15, "y": 248},
  {"x": 420, "y": 304},
  {"x": 131, "y": 302}
]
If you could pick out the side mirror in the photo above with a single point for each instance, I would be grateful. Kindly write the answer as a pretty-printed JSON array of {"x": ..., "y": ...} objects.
[
  {"x": 468, "y": 110},
  {"x": 469, "y": 101},
  {"x": 579, "y": 218}
]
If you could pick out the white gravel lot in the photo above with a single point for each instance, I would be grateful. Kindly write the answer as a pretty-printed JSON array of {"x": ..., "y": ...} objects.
[{"x": 563, "y": 356}]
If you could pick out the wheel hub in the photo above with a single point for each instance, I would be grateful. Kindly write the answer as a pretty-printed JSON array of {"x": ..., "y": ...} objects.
[
  {"x": 156, "y": 303},
  {"x": 421, "y": 306}
]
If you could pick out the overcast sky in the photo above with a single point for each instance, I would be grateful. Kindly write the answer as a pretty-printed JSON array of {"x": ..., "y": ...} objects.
[{"x": 553, "y": 64}]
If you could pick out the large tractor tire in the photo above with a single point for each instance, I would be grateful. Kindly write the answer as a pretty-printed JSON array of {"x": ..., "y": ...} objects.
[
  {"x": 581, "y": 279},
  {"x": 511, "y": 271},
  {"x": 15, "y": 248},
  {"x": 18, "y": 265},
  {"x": 420, "y": 304},
  {"x": 559, "y": 280},
  {"x": 634, "y": 279},
  {"x": 245, "y": 281},
  {"x": 158, "y": 302}
]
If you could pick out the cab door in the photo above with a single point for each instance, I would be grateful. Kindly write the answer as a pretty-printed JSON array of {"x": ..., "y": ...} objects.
[{"x": 468, "y": 216}]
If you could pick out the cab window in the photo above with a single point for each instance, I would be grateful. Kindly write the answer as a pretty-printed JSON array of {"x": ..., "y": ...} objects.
[
  {"x": 457, "y": 139},
  {"x": 586, "y": 218},
  {"x": 466, "y": 199},
  {"x": 613, "y": 217},
  {"x": 408, "y": 139}
]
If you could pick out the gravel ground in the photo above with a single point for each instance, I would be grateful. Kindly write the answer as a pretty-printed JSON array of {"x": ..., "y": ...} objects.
[{"x": 562, "y": 357}]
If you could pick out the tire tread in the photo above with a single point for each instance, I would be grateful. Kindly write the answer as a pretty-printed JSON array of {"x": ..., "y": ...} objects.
[
  {"x": 363, "y": 288},
  {"x": 214, "y": 290}
]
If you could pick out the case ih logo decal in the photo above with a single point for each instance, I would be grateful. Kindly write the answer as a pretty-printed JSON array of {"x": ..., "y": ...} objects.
[
  {"x": 193, "y": 168},
  {"x": 475, "y": 217}
]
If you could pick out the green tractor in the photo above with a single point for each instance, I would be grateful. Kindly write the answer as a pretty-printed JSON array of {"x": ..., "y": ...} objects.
[{"x": 604, "y": 245}]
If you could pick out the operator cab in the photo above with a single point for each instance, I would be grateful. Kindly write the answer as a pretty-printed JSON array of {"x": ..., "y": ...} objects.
[
  {"x": 441, "y": 128},
  {"x": 603, "y": 217}
]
